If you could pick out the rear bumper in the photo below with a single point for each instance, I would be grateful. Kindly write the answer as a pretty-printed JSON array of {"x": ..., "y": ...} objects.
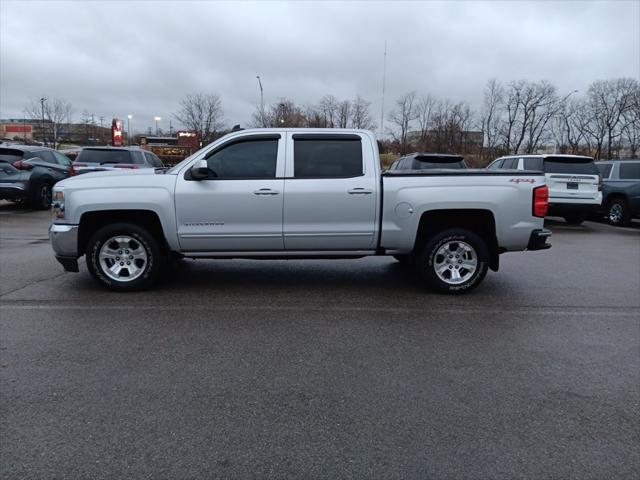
[
  {"x": 561, "y": 209},
  {"x": 538, "y": 239},
  {"x": 64, "y": 241},
  {"x": 14, "y": 190}
]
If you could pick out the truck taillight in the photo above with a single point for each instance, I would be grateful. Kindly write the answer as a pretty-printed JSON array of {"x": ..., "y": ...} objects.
[{"x": 540, "y": 201}]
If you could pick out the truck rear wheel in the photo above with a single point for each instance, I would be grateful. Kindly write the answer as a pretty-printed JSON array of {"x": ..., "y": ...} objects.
[
  {"x": 454, "y": 261},
  {"x": 124, "y": 257}
]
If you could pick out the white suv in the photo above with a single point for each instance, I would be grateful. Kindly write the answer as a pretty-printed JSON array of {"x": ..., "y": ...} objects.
[{"x": 575, "y": 186}]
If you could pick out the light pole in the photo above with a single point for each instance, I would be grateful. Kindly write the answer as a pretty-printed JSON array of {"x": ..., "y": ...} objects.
[
  {"x": 129, "y": 117},
  {"x": 42, "y": 100},
  {"x": 567, "y": 96},
  {"x": 261, "y": 101},
  {"x": 157, "y": 119}
]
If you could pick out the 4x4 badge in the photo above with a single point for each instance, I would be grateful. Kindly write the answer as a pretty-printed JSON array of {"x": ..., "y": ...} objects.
[{"x": 523, "y": 180}]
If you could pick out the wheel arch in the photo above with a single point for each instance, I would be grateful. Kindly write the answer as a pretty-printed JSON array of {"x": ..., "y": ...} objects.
[
  {"x": 91, "y": 222},
  {"x": 480, "y": 221}
]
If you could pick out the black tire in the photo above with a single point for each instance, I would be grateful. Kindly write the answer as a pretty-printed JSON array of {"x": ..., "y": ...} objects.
[
  {"x": 41, "y": 198},
  {"x": 430, "y": 258},
  {"x": 618, "y": 212},
  {"x": 575, "y": 218},
  {"x": 141, "y": 240}
]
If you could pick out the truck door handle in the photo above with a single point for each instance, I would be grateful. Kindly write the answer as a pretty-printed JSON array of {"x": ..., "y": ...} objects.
[
  {"x": 266, "y": 191},
  {"x": 360, "y": 191}
]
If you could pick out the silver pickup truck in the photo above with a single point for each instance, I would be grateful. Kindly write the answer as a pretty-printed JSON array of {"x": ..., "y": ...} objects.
[{"x": 296, "y": 193}]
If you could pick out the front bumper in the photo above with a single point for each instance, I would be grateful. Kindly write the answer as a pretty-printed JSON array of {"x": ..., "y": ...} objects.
[
  {"x": 538, "y": 239},
  {"x": 64, "y": 241}
]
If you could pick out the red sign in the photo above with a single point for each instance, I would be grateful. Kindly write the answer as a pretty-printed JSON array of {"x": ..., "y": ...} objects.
[
  {"x": 18, "y": 128},
  {"x": 188, "y": 139},
  {"x": 116, "y": 132}
]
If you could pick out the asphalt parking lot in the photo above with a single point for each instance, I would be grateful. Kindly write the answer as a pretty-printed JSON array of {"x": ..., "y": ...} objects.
[{"x": 322, "y": 369}]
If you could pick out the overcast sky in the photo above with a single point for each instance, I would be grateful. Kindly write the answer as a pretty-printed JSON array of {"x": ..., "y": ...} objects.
[{"x": 115, "y": 58}]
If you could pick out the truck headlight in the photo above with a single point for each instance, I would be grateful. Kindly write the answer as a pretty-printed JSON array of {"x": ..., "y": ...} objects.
[{"x": 58, "y": 205}]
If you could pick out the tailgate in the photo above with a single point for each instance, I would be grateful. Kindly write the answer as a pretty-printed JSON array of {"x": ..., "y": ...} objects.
[
  {"x": 572, "y": 186},
  {"x": 571, "y": 177}
]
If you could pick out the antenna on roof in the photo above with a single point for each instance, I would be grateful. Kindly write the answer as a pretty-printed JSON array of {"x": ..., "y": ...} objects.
[{"x": 236, "y": 128}]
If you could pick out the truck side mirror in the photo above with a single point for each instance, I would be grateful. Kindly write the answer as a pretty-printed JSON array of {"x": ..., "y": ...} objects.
[{"x": 201, "y": 171}]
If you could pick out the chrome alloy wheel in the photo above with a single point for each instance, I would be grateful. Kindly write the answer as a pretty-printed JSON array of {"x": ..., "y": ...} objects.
[
  {"x": 455, "y": 262},
  {"x": 123, "y": 258},
  {"x": 615, "y": 213}
]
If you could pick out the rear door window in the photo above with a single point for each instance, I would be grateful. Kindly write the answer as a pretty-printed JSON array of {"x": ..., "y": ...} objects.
[
  {"x": 327, "y": 158},
  {"x": 510, "y": 163},
  {"x": 605, "y": 169},
  {"x": 45, "y": 155},
  {"x": 630, "y": 171},
  {"x": 496, "y": 165},
  {"x": 532, "y": 163}
]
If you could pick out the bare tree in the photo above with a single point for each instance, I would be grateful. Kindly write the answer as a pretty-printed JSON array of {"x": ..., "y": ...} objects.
[
  {"x": 360, "y": 115},
  {"x": 568, "y": 127},
  {"x": 201, "y": 113},
  {"x": 55, "y": 112},
  {"x": 608, "y": 101},
  {"x": 402, "y": 116},
  {"x": 329, "y": 107},
  {"x": 344, "y": 113},
  {"x": 314, "y": 117},
  {"x": 631, "y": 129},
  {"x": 528, "y": 109},
  {"x": 491, "y": 116},
  {"x": 424, "y": 110},
  {"x": 450, "y": 125}
]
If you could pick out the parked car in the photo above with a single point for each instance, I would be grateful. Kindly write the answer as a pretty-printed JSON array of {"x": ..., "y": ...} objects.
[
  {"x": 574, "y": 182},
  {"x": 28, "y": 173},
  {"x": 425, "y": 161},
  {"x": 72, "y": 152},
  {"x": 297, "y": 193},
  {"x": 620, "y": 190},
  {"x": 98, "y": 159}
]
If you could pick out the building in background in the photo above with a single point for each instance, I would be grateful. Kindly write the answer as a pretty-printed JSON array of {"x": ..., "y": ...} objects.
[
  {"x": 16, "y": 130},
  {"x": 171, "y": 150}
]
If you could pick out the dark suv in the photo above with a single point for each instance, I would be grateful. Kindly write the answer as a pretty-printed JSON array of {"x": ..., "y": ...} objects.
[
  {"x": 620, "y": 190},
  {"x": 97, "y": 159},
  {"x": 425, "y": 161},
  {"x": 27, "y": 173}
]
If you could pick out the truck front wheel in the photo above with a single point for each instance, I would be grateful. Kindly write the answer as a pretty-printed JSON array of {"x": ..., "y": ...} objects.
[
  {"x": 454, "y": 261},
  {"x": 124, "y": 257}
]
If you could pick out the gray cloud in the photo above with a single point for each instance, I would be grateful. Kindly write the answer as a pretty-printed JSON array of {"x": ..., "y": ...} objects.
[{"x": 115, "y": 58}]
